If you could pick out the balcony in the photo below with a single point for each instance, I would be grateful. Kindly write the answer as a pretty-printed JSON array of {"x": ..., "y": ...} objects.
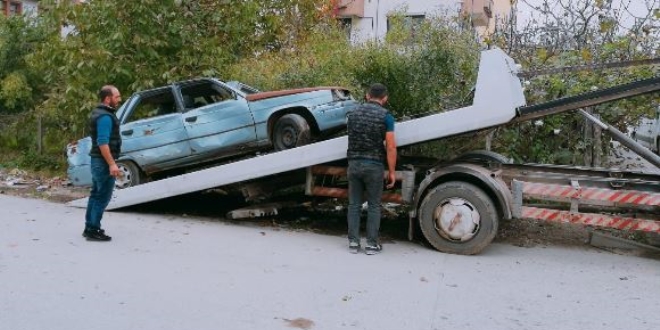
[
  {"x": 349, "y": 8},
  {"x": 479, "y": 11}
]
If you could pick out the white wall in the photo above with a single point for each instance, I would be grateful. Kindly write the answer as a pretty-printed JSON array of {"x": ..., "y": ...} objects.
[
  {"x": 30, "y": 7},
  {"x": 373, "y": 26}
]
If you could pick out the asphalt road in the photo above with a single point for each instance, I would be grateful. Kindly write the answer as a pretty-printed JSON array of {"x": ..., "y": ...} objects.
[{"x": 173, "y": 272}]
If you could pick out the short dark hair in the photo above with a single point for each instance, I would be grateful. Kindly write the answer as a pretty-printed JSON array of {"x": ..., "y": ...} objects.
[
  {"x": 378, "y": 91},
  {"x": 105, "y": 92}
]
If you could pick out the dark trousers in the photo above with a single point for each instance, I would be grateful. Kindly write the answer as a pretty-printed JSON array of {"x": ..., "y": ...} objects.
[
  {"x": 102, "y": 186},
  {"x": 365, "y": 178}
]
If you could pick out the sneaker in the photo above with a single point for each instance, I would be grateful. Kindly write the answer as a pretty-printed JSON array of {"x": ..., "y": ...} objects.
[
  {"x": 88, "y": 231},
  {"x": 353, "y": 247},
  {"x": 96, "y": 235},
  {"x": 373, "y": 249}
]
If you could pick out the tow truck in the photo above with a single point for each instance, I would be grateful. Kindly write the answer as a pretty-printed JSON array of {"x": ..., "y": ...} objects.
[{"x": 457, "y": 205}]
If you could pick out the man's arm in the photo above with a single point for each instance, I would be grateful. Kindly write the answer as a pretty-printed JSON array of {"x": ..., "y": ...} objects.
[
  {"x": 390, "y": 148},
  {"x": 104, "y": 127}
]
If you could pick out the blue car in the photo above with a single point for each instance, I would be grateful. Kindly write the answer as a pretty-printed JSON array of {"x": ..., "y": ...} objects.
[{"x": 204, "y": 121}]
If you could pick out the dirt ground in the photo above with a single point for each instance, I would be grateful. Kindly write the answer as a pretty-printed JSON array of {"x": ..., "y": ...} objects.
[{"x": 170, "y": 272}]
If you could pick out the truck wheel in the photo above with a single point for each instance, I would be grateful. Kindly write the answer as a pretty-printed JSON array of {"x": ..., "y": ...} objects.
[
  {"x": 291, "y": 131},
  {"x": 458, "y": 217},
  {"x": 130, "y": 175},
  {"x": 484, "y": 157}
]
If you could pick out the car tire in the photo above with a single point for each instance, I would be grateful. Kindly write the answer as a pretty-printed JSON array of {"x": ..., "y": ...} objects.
[
  {"x": 130, "y": 175},
  {"x": 290, "y": 131},
  {"x": 467, "y": 226}
]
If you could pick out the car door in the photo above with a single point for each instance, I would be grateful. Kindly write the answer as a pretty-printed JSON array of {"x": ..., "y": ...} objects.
[
  {"x": 217, "y": 120},
  {"x": 152, "y": 130}
]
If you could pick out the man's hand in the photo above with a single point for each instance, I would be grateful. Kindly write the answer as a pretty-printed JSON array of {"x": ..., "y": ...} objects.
[
  {"x": 107, "y": 155},
  {"x": 114, "y": 170},
  {"x": 391, "y": 180}
]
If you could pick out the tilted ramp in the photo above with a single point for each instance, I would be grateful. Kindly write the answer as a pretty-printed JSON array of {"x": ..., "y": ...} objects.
[{"x": 497, "y": 97}]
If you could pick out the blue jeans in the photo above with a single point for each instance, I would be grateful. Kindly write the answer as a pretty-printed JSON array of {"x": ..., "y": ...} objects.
[
  {"x": 366, "y": 178},
  {"x": 102, "y": 186}
]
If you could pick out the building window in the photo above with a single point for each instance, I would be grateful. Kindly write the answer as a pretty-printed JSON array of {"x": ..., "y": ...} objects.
[
  {"x": 410, "y": 23},
  {"x": 10, "y": 7},
  {"x": 346, "y": 24}
]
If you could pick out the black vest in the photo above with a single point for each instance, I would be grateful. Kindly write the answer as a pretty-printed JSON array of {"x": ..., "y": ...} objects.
[
  {"x": 115, "y": 138},
  {"x": 366, "y": 133}
]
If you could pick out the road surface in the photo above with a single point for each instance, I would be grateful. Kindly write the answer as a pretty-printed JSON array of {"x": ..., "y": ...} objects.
[{"x": 172, "y": 272}]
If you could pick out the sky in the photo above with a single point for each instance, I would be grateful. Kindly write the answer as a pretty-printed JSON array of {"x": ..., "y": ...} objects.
[{"x": 526, "y": 9}]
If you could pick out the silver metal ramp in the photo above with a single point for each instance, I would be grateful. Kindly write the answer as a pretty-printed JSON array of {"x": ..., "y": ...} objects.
[{"x": 498, "y": 95}]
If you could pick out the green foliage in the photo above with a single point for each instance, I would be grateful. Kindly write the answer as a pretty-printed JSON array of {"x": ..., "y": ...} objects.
[
  {"x": 39, "y": 162},
  {"x": 430, "y": 68},
  {"x": 323, "y": 57},
  {"x": 19, "y": 84},
  {"x": 431, "y": 71},
  {"x": 15, "y": 91}
]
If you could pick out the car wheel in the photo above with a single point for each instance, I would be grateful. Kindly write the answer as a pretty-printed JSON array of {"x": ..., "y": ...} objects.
[
  {"x": 130, "y": 175},
  {"x": 291, "y": 131},
  {"x": 458, "y": 217}
]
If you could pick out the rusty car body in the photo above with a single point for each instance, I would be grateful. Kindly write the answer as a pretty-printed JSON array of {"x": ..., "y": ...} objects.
[{"x": 202, "y": 121}]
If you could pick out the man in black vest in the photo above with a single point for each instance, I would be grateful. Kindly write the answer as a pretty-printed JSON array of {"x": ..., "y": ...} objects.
[
  {"x": 106, "y": 146},
  {"x": 371, "y": 142}
]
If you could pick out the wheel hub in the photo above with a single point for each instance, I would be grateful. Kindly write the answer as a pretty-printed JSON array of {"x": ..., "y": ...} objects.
[
  {"x": 456, "y": 219},
  {"x": 124, "y": 178},
  {"x": 289, "y": 137}
]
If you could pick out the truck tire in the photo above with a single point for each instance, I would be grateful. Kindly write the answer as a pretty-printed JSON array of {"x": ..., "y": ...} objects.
[
  {"x": 458, "y": 217},
  {"x": 484, "y": 157},
  {"x": 130, "y": 175},
  {"x": 291, "y": 131}
]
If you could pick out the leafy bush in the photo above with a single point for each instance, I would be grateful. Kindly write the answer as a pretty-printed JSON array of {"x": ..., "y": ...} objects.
[{"x": 432, "y": 71}]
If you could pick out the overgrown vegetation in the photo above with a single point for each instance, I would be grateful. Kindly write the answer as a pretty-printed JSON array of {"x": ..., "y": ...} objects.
[{"x": 578, "y": 32}]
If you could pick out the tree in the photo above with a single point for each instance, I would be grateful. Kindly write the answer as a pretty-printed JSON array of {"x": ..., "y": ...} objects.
[
  {"x": 18, "y": 37},
  {"x": 572, "y": 32},
  {"x": 142, "y": 44}
]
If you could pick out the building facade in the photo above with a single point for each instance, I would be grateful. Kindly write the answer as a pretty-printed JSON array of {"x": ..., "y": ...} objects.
[
  {"x": 367, "y": 20},
  {"x": 17, "y": 7}
]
